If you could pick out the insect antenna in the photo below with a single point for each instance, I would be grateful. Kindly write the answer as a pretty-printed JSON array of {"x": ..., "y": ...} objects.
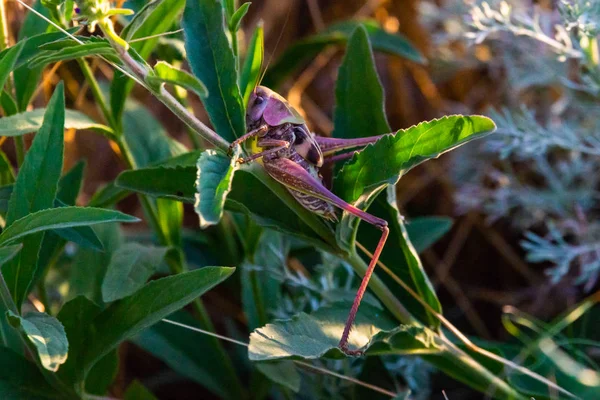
[{"x": 287, "y": 17}]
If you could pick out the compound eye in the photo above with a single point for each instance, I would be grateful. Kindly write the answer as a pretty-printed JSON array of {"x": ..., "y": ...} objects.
[{"x": 259, "y": 100}]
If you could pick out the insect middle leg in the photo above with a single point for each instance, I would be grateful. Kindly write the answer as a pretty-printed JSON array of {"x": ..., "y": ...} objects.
[
  {"x": 294, "y": 177},
  {"x": 278, "y": 146},
  {"x": 258, "y": 131}
]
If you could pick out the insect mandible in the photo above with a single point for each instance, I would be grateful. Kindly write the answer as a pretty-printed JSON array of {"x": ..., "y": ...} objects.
[{"x": 293, "y": 155}]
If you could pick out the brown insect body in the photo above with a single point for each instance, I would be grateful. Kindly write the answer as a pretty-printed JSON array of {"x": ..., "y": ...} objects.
[
  {"x": 303, "y": 150},
  {"x": 292, "y": 155}
]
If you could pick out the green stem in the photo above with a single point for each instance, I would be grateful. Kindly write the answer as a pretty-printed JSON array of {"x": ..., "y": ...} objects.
[
  {"x": 191, "y": 133},
  {"x": 171, "y": 102},
  {"x": 382, "y": 292},
  {"x": 96, "y": 92}
]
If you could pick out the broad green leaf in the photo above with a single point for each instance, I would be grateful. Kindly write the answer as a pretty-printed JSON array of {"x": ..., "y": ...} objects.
[
  {"x": 166, "y": 73},
  {"x": 8, "y": 61},
  {"x": 70, "y": 49},
  {"x": 129, "y": 269},
  {"x": 405, "y": 340},
  {"x": 384, "y": 162},
  {"x": 32, "y": 46},
  {"x": 103, "y": 374},
  {"x": 21, "y": 379},
  {"x": 425, "y": 231},
  {"x": 35, "y": 189},
  {"x": 305, "y": 50},
  {"x": 261, "y": 291},
  {"x": 7, "y": 176},
  {"x": 89, "y": 266},
  {"x": 170, "y": 220},
  {"x": 37, "y": 182},
  {"x": 154, "y": 18},
  {"x": 283, "y": 372},
  {"x": 76, "y": 316},
  {"x": 212, "y": 61},
  {"x": 253, "y": 62},
  {"x": 127, "y": 317},
  {"x": 47, "y": 335},
  {"x": 137, "y": 391},
  {"x": 9, "y": 337},
  {"x": 108, "y": 195},
  {"x": 59, "y": 218},
  {"x": 175, "y": 183},
  {"x": 31, "y": 121},
  {"x": 189, "y": 354},
  {"x": 145, "y": 136},
  {"x": 316, "y": 335},
  {"x": 359, "y": 108},
  {"x": 253, "y": 193},
  {"x": 213, "y": 184},
  {"x": 236, "y": 19}
]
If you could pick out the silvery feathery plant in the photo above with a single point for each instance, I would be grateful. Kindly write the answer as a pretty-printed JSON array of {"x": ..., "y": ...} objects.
[{"x": 548, "y": 144}]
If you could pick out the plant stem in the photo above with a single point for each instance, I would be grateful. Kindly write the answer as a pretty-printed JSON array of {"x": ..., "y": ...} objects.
[
  {"x": 171, "y": 102},
  {"x": 3, "y": 27},
  {"x": 96, "y": 92},
  {"x": 382, "y": 292}
]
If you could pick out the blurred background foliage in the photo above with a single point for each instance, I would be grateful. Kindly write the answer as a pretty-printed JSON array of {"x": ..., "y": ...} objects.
[{"x": 526, "y": 231}]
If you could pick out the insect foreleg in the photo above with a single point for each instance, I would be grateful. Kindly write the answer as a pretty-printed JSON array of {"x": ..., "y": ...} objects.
[
  {"x": 258, "y": 131},
  {"x": 279, "y": 145},
  {"x": 297, "y": 178}
]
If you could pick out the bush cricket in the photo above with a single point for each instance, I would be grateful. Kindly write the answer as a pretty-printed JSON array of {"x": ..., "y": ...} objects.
[{"x": 292, "y": 155}]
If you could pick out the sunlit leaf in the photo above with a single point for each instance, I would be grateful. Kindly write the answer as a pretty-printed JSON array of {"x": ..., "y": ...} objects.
[
  {"x": 48, "y": 336},
  {"x": 212, "y": 61}
]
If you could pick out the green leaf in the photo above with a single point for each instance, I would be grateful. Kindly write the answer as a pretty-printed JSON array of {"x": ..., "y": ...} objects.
[
  {"x": 164, "y": 182},
  {"x": 103, "y": 374},
  {"x": 253, "y": 193},
  {"x": 305, "y": 50},
  {"x": 8, "y": 61},
  {"x": 60, "y": 218},
  {"x": 425, "y": 231},
  {"x": 31, "y": 121},
  {"x": 137, "y": 391},
  {"x": 253, "y": 62},
  {"x": 76, "y": 316},
  {"x": 316, "y": 335},
  {"x": 384, "y": 162},
  {"x": 108, "y": 196},
  {"x": 89, "y": 266},
  {"x": 127, "y": 317},
  {"x": 359, "y": 109},
  {"x": 7, "y": 176},
  {"x": 215, "y": 176},
  {"x": 21, "y": 379},
  {"x": 9, "y": 337},
  {"x": 35, "y": 189},
  {"x": 129, "y": 269},
  {"x": 69, "y": 49},
  {"x": 236, "y": 19},
  {"x": 404, "y": 340},
  {"x": 154, "y": 18},
  {"x": 47, "y": 335},
  {"x": 189, "y": 354},
  {"x": 9, "y": 106},
  {"x": 212, "y": 61},
  {"x": 145, "y": 136},
  {"x": 284, "y": 373},
  {"x": 166, "y": 73}
]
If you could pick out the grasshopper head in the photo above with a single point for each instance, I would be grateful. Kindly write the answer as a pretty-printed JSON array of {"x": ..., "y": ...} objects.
[{"x": 274, "y": 109}]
